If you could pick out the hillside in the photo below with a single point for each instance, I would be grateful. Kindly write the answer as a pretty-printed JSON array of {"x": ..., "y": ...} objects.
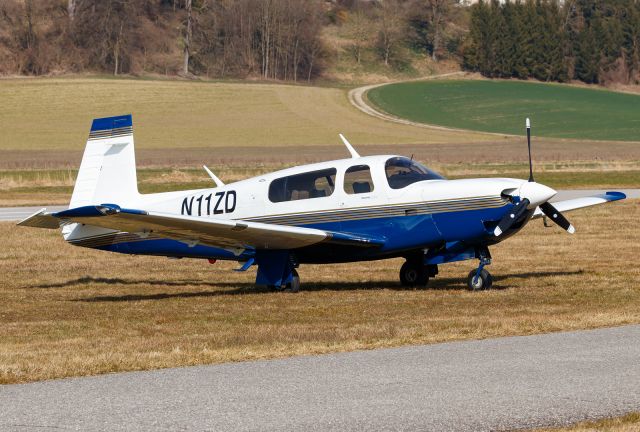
[{"x": 320, "y": 40}]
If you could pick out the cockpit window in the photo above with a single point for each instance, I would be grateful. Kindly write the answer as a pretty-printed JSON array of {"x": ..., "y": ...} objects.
[
  {"x": 315, "y": 184},
  {"x": 402, "y": 171}
]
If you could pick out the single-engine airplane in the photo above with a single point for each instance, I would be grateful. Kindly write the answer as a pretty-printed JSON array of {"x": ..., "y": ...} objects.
[{"x": 348, "y": 210}]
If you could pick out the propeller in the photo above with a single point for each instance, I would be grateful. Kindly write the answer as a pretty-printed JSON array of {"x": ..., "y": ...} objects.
[
  {"x": 512, "y": 217},
  {"x": 537, "y": 193},
  {"x": 552, "y": 213}
]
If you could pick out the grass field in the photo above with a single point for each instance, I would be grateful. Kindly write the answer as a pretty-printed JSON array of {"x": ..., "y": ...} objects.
[
  {"x": 57, "y": 113},
  {"x": 242, "y": 126},
  {"x": 70, "y": 311},
  {"x": 628, "y": 423},
  {"x": 501, "y": 106}
]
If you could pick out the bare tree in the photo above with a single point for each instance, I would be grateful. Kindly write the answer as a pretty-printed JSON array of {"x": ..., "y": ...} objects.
[
  {"x": 188, "y": 37},
  {"x": 313, "y": 51},
  {"x": 71, "y": 9},
  {"x": 275, "y": 39},
  {"x": 437, "y": 12},
  {"x": 391, "y": 27},
  {"x": 110, "y": 32},
  {"x": 359, "y": 29}
]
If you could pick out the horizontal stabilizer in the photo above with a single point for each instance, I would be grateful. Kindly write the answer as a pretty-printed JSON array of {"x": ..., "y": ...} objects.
[{"x": 41, "y": 219}]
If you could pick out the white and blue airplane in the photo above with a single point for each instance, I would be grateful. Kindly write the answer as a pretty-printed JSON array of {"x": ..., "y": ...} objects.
[{"x": 356, "y": 209}]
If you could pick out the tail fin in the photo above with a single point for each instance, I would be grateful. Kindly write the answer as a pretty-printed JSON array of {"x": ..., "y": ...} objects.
[{"x": 108, "y": 169}]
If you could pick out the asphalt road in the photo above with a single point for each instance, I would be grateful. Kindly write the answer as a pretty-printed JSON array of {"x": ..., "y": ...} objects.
[
  {"x": 494, "y": 384},
  {"x": 15, "y": 214}
]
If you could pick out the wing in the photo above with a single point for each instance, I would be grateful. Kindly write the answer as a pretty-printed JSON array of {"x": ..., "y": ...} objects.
[
  {"x": 195, "y": 230},
  {"x": 577, "y": 203}
]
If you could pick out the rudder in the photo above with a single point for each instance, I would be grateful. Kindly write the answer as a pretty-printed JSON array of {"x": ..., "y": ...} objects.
[{"x": 108, "y": 170}]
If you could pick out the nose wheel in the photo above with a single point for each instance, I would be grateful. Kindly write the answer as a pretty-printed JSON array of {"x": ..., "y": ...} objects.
[
  {"x": 477, "y": 281},
  {"x": 480, "y": 279}
]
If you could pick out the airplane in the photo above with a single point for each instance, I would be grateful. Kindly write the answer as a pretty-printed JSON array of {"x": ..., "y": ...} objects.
[{"x": 356, "y": 209}]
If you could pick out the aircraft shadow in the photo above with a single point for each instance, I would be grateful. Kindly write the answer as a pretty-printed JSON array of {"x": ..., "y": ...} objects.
[
  {"x": 250, "y": 288},
  {"x": 120, "y": 281}
]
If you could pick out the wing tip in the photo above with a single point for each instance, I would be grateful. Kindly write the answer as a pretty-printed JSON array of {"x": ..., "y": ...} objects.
[{"x": 615, "y": 196}]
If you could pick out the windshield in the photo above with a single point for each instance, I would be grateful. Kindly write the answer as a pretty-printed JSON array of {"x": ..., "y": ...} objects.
[{"x": 402, "y": 171}]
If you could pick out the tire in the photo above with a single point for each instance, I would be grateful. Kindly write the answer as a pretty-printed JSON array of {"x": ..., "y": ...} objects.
[
  {"x": 294, "y": 285},
  {"x": 413, "y": 274},
  {"x": 483, "y": 282}
]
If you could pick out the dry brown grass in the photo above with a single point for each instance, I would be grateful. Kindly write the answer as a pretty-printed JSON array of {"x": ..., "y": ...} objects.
[
  {"x": 56, "y": 114},
  {"x": 68, "y": 311},
  {"x": 628, "y": 423}
]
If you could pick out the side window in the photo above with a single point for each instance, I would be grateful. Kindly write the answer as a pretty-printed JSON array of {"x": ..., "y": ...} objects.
[
  {"x": 315, "y": 184},
  {"x": 357, "y": 180}
]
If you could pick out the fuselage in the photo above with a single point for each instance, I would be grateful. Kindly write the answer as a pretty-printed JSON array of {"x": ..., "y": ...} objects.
[{"x": 386, "y": 196}]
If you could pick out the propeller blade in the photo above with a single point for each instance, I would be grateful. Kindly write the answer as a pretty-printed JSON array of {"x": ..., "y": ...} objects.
[
  {"x": 512, "y": 217},
  {"x": 552, "y": 213}
]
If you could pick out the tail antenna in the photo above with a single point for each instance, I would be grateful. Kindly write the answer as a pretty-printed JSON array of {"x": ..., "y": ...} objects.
[{"x": 528, "y": 124}]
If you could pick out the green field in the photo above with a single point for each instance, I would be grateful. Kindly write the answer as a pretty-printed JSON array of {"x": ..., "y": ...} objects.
[{"x": 559, "y": 111}]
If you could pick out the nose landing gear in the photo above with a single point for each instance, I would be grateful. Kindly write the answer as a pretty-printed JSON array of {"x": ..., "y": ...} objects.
[{"x": 480, "y": 279}]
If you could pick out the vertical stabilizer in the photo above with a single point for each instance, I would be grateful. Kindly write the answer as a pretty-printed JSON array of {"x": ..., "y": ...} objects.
[{"x": 108, "y": 170}]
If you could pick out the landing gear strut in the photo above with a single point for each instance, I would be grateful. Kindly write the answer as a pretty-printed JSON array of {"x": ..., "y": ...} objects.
[
  {"x": 480, "y": 279},
  {"x": 292, "y": 287},
  {"x": 414, "y": 273}
]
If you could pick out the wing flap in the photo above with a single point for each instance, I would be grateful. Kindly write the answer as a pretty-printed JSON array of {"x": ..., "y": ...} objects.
[{"x": 578, "y": 203}]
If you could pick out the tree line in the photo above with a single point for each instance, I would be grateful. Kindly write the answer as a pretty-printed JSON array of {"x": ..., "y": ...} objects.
[
  {"x": 270, "y": 39},
  {"x": 274, "y": 39},
  {"x": 594, "y": 41}
]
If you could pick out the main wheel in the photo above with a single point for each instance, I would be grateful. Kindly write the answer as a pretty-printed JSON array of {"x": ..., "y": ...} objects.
[
  {"x": 481, "y": 282},
  {"x": 294, "y": 285},
  {"x": 413, "y": 274}
]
